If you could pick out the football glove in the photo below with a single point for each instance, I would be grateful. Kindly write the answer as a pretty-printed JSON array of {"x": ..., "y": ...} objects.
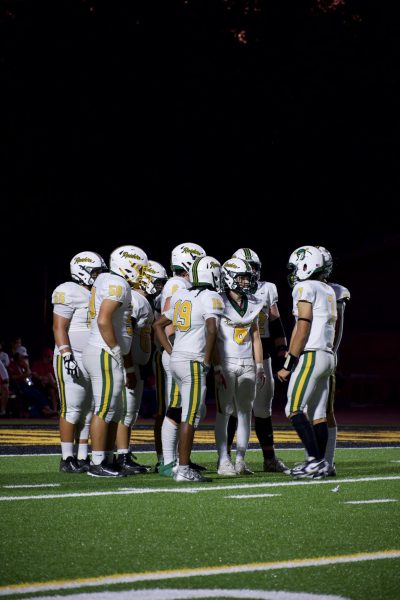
[{"x": 70, "y": 364}]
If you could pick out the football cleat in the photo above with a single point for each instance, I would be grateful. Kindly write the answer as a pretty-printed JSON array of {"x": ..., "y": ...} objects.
[
  {"x": 226, "y": 467},
  {"x": 241, "y": 468},
  {"x": 167, "y": 470},
  {"x": 104, "y": 470},
  {"x": 70, "y": 465},
  {"x": 189, "y": 475},
  {"x": 84, "y": 463},
  {"x": 275, "y": 465}
]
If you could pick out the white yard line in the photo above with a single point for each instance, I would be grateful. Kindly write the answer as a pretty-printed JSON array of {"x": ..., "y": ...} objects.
[
  {"x": 35, "y": 485},
  {"x": 245, "y": 496},
  {"x": 190, "y": 490},
  {"x": 187, "y": 573},
  {"x": 380, "y": 501}
]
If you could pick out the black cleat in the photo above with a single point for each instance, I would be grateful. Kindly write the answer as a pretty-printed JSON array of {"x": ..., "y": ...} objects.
[
  {"x": 84, "y": 463},
  {"x": 104, "y": 470},
  {"x": 70, "y": 465},
  {"x": 128, "y": 466},
  {"x": 199, "y": 468}
]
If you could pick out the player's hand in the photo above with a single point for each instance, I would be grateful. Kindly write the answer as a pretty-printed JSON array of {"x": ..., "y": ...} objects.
[
  {"x": 206, "y": 368},
  {"x": 117, "y": 355},
  {"x": 70, "y": 364},
  {"x": 283, "y": 375},
  {"x": 260, "y": 376}
]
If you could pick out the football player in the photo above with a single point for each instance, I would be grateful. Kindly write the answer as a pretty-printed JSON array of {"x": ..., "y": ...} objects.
[
  {"x": 195, "y": 314},
  {"x": 342, "y": 298},
  {"x": 238, "y": 361},
  {"x": 274, "y": 342},
  {"x": 311, "y": 360},
  {"x": 142, "y": 319},
  {"x": 182, "y": 257},
  {"x": 107, "y": 356},
  {"x": 71, "y": 333}
]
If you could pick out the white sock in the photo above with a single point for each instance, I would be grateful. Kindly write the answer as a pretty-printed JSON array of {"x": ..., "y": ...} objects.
[
  {"x": 83, "y": 451},
  {"x": 98, "y": 456},
  {"x": 67, "y": 449},
  {"x": 123, "y": 450},
  {"x": 221, "y": 435},
  {"x": 169, "y": 437},
  {"x": 331, "y": 445}
]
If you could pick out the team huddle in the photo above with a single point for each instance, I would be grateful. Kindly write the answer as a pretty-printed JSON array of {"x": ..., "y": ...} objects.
[{"x": 109, "y": 323}]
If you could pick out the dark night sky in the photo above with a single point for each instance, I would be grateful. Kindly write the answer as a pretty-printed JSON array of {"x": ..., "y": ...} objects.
[{"x": 168, "y": 113}]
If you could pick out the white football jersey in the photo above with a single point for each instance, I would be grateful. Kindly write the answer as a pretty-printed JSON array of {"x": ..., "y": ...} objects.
[
  {"x": 234, "y": 338},
  {"x": 342, "y": 294},
  {"x": 109, "y": 286},
  {"x": 141, "y": 341},
  {"x": 71, "y": 301},
  {"x": 188, "y": 311},
  {"x": 173, "y": 285},
  {"x": 323, "y": 300},
  {"x": 269, "y": 292}
]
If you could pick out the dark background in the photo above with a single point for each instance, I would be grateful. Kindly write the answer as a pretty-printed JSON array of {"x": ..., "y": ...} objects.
[{"x": 267, "y": 124}]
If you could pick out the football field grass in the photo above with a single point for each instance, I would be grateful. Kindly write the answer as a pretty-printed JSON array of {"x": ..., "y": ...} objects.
[{"x": 69, "y": 535}]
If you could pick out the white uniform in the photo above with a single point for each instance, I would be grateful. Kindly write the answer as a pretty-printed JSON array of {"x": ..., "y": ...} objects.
[
  {"x": 107, "y": 377},
  {"x": 264, "y": 395},
  {"x": 342, "y": 296},
  {"x": 309, "y": 383},
  {"x": 142, "y": 313},
  {"x": 189, "y": 311},
  {"x": 235, "y": 348},
  {"x": 71, "y": 301},
  {"x": 172, "y": 394}
]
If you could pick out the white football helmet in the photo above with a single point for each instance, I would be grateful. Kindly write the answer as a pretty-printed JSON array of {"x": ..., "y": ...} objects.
[
  {"x": 204, "y": 271},
  {"x": 83, "y": 264},
  {"x": 184, "y": 255},
  {"x": 252, "y": 258},
  {"x": 304, "y": 263},
  {"x": 153, "y": 278},
  {"x": 328, "y": 261},
  {"x": 234, "y": 268},
  {"x": 128, "y": 261}
]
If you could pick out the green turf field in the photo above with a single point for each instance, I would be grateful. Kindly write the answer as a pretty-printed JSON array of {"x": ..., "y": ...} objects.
[{"x": 339, "y": 537}]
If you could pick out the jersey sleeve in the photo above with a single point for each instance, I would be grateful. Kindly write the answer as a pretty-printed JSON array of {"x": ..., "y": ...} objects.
[
  {"x": 213, "y": 305},
  {"x": 303, "y": 292},
  {"x": 64, "y": 302},
  {"x": 273, "y": 294},
  {"x": 342, "y": 293}
]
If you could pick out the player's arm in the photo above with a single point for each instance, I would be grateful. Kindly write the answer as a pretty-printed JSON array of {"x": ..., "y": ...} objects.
[
  {"x": 105, "y": 323},
  {"x": 159, "y": 328},
  {"x": 341, "y": 305},
  {"x": 60, "y": 331},
  {"x": 298, "y": 340},
  {"x": 211, "y": 338},
  {"x": 257, "y": 345},
  {"x": 170, "y": 329}
]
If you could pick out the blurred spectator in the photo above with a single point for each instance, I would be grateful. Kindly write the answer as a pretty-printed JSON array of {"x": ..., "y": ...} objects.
[
  {"x": 29, "y": 400},
  {"x": 43, "y": 375},
  {"x": 4, "y": 390},
  {"x": 4, "y": 358}
]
